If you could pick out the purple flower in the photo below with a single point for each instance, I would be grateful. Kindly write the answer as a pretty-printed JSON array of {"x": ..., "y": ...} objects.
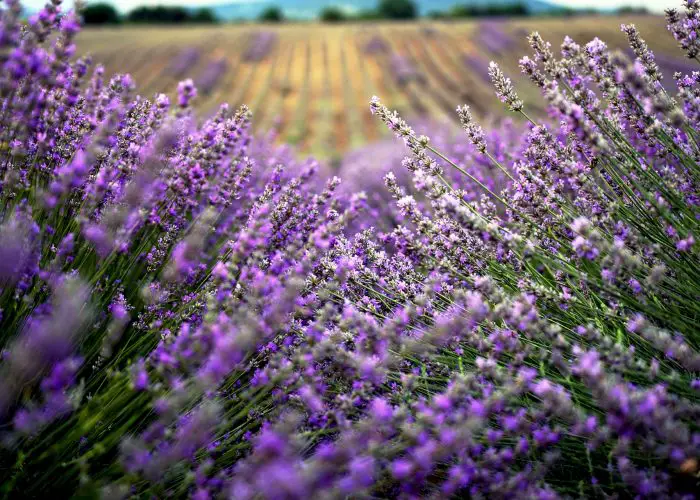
[
  {"x": 186, "y": 91},
  {"x": 589, "y": 365},
  {"x": 381, "y": 410},
  {"x": 401, "y": 468}
]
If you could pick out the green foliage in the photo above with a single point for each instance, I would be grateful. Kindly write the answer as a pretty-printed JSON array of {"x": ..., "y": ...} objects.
[
  {"x": 509, "y": 10},
  {"x": 204, "y": 15},
  {"x": 397, "y": 9},
  {"x": 333, "y": 14},
  {"x": 629, "y": 10},
  {"x": 438, "y": 14},
  {"x": 569, "y": 12},
  {"x": 100, "y": 13},
  {"x": 368, "y": 15},
  {"x": 158, "y": 14},
  {"x": 161, "y": 14},
  {"x": 517, "y": 10},
  {"x": 105, "y": 13},
  {"x": 272, "y": 15}
]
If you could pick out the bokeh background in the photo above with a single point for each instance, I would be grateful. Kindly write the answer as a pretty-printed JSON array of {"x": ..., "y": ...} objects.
[{"x": 308, "y": 68}]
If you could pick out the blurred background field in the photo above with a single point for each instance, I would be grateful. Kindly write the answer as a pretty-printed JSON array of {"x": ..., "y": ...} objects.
[{"x": 312, "y": 81}]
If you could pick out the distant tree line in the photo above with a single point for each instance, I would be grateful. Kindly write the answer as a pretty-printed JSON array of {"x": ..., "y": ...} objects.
[
  {"x": 407, "y": 9},
  {"x": 162, "y": 14},
  {"x": 272, "y": 15},
  {"x": 386, "y": 9},
  {"x": 105, "y": 13},
  {"x": 491, "y": 10},
  {"x": 519, "y": 9}
]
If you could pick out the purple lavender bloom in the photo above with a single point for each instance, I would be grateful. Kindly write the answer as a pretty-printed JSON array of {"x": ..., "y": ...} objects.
[
  {"x": 376, "y": 45},
  {"x": 404, "y": 70},
  {"x": 260, "y": 45},
  {"x": 477, "y": 64},
  {"x": 186, "y": 91},
  {"x": 186, "y": 309},
  {"x": 18, "y": 249},
  {"x": 184, "y": 61},
  {"x": 491, "y": 36},
  {"x": 47, "y": 339},
  {"x": 210, "y": 76}
]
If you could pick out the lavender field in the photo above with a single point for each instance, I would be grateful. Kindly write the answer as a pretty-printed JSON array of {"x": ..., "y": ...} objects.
[
  {"x": 311, "y": 81},
  {"x": 504, "y": 306}
]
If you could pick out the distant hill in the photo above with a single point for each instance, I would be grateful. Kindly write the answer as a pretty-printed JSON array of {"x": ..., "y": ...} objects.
[{"x": 309, "y": 9}]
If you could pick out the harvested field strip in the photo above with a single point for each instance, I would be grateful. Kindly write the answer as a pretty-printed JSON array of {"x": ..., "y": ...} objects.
[
  {"x": 340, "y": 109},
  {"x": 279, "y": 84},
  {"x": 317, "y": 99},
  {"x": 353, "y": 108},
  {"x": 297, "y": 128},
  {"x": 436, "y": 86}
]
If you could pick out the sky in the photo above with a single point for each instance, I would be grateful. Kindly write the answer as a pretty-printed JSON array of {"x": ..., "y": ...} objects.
[
  {"x": 655, "y": 5},
  {"x": 125, "y": 5}
]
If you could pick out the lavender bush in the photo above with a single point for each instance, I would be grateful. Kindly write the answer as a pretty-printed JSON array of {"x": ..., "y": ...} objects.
[
  {"x": 209, "y": 77},
  {"x": 477, "y": 64},
  {"x": 491, "y": 36},
  {"x": 260, "y": 45},
  {"x": 364, "y": 169},
  {"x": 377, "y": 44},
  {"x": 404, "y": 71},
  {"x": 188, "y": 311},
  {"x": 183, "y": 61},
  {"x": 121, "y": 219}
]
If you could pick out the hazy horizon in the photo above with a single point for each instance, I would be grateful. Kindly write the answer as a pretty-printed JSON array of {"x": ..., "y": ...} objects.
[{"x": 125, "y": 5}]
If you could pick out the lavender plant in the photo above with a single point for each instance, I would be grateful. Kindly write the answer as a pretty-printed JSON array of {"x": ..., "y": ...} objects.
[
  {"x": 131, "y": 235},
  {"x": 404, "y": 70},
  {"x": 477, "y": 64},
  {"x": 364, "y": 169},
  {"x": 491, "y": 36},
  {"x": 578, "y": 282},
  {"x": 183, "y": 61},
  {"x": 260, "y": 45},
  {"x": 188, "y": 311},
  {"x": 377, "y": 44},
  {"x": 210, "y": 76}
]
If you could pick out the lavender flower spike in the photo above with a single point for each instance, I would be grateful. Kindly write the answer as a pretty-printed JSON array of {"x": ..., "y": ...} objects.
[
  {"x": 504, "y": 88},
  {"x": 474, "y": 132}
]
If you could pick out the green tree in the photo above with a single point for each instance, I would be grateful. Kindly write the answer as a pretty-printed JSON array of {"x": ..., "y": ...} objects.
[
  {"x": 368, "y": 15},
  {"x": 397, "y": 9},
  {"x": 438, "y": 14},
  {"x": 333, "y": 15},
  {"x": 100, "y": 13},
  {"x": 508, "y": 10},
  {"x": 204, "y": 15},
  {"x": 159, "y": 14},
  {"x": 629, "y": 10},
  {"x": 272, "y": 15}
]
